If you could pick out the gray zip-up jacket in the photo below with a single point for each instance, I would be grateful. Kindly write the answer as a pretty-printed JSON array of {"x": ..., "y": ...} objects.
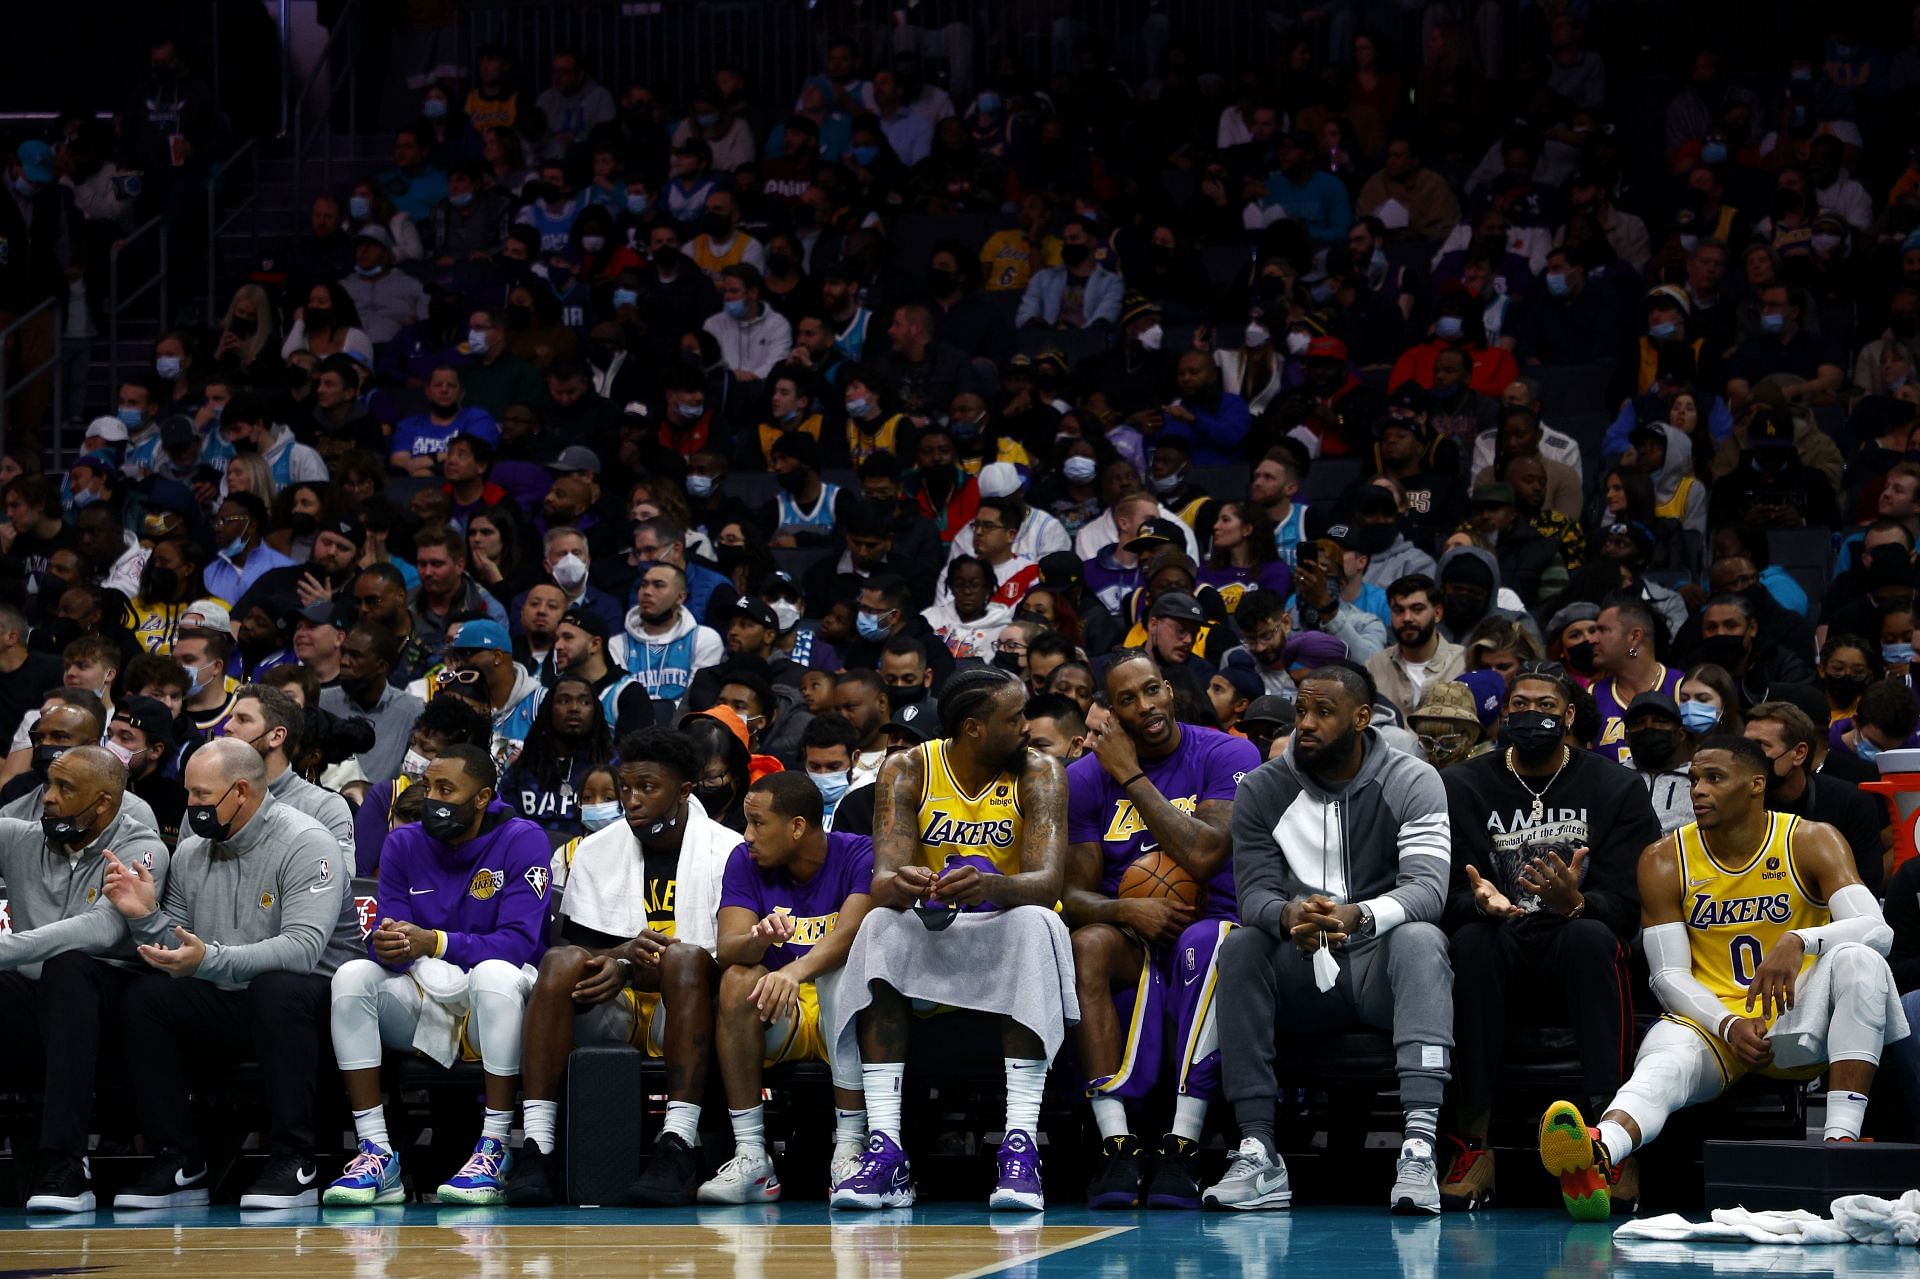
[
  {"x": 319, "y": 803},
  {"x": 274, "y": 898},
  {"x": 55, "y": 898},
  {"x": 1382, "y": 839}
]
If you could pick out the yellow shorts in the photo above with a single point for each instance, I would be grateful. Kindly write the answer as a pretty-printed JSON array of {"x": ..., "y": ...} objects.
[{"x": 799, "y": 1039}]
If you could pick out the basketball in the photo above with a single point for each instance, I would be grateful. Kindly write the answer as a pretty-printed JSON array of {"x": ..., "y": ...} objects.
[{"x": 1156, "y": 874}]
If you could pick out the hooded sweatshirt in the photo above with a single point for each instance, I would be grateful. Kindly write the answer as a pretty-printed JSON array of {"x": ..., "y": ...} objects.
[
  {"x": 55, "y": 900},
  {"x": 1677, "y": 494},
  {"x": 1503, "y": 602},
  {"x": 666, "y": 664},
  {"x": 1380, "y": 839},
  {"x": 488, "y": 896},
  {"x": 514, "y": 720}
]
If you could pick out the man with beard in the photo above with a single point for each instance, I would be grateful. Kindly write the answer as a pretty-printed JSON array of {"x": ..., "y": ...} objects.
[
  {"x": 1529, "y": 562},
  {"x": 330, "y": 568},
  {"x": 1625, "y": 667},
  {"x": 1213, "y": 422},
  {"x": 366, "y": 690},
  {"x": 748, "y": 628},
  {"x": 480, "y": 659},
  {"x": 1788, "y": 738},
  {"x": 662, "y": 643},
  {"x": 540, "y": 608},
  {"x": 380, "y": 595},
  {"x": 1264, "y": 624},
  {"x": 1420, "y": 655},
  {"x": 1546, "y": 837},
  {"x": 1367, "y": 918},
  {"x": 1455, "y": 411},
  {"x": 1772, "y": 487},
  {"x": 1729, "y": 634},
  {"x": 271, "y": 722},
  {"x": 1149, "y": 963},
  {"x": 140, "y": 736},
  {"x": 573, "y": 500},
  {"x": 1336, "y": 408},
  {"x": 970, "y": 836},
  {"x": 580, "y": 649},
  {"x": 446, "y": 589}
]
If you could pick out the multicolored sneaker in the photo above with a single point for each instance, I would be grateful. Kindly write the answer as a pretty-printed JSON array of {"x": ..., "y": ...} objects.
[
  {"x": 845, "y": 1162},
  {"x": 1573, "y": 1152},
  {"x": 373, "y": 1177},
  {"x": 1468, "y": 1186},
  {"x": 747, "y": 1178},
  {"x": 883, "y": 1180},
  {"x": 482, "y": 1180},
  {"x": 1018, "y": 1189}
]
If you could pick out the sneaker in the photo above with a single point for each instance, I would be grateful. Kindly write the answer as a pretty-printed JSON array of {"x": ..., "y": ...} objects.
[
  {"x": 1468, "y": 1186},
  {"x": 1254, "y": 1180},
  {"x": 169, "y": 1182},
  {"x": 1121, "y": 1178},
  {"x": 1416, "y": 1182},
  {"x": 883, "y": 1178},
  {"x": 746, "y": 1178},
  {"x": 372, "y": 1178},
  {"x": 288, "y": 1181},
  {"x": 482, "y": 1180},
  {"x": 846, "y": 1162},
  {"x": 1572, "y": 1151},
  {"x": 1175, "y": 1184},
  {"x": 672, "y": 1175},
  {"x": 1624, "y": 1195},
  {"x": 529, "y": 1184},
  {"x": 65, "y": 1184},
  {"x": 1018, "y": 1189}
]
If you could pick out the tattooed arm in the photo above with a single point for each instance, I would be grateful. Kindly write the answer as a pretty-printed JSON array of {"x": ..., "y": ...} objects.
[
  {"x": 1043, "y": 853},
  {"x": 899, "y": 877}
]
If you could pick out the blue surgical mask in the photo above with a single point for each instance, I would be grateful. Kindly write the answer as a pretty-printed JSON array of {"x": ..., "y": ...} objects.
[
  {"x": 737, "y": 308},
  {"x": 200, "y": 680},
  {"x": 1079, "y": 470},
  {"x": 1447, "y": 327},
  {"x": 132, "y": 419},
  {"x": 1773, "y": 323},
  {"x": 434, "y": 108},
  {"x": 707, "y": 119},
  {"x": 83, "y": 500},
  {"x": 872, "y": 628},
  {"x": 598, "y": 816},
  {"x": 1896, "y": 654},
  {"x": 1713, "y": 153},
  {"x": 477, "y": 341},
  {"x": 366, "y": 272},
  {"x": 1558, "y": 284},
  {"x": 167, "y": 366},
  {"x": 625, "y": 297},
  {"x": 234, "y": 547},
  {"x": 864, "y": 156},
  {"x": 1864, "y": 749},
  {"x": 1698, "y": 717},
  {"x": 831, "y": 786},
  {"x": 859, "y": 407},
  {"x": 358, "y": 207},
  {"x": 462, "y": 200},
  {"x": 1662, "y": 331},
  {"x": 699, "y": 486},
  {"x": 691, "y": 412},
  {"x": 637, "y": 203}
]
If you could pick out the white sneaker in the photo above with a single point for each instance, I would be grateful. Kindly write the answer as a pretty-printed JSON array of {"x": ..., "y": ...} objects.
[
  {"x": 1253, "y": 1182},
  {"x": 744, "y": 1179},
  {"x": 846, "y": 1161}
]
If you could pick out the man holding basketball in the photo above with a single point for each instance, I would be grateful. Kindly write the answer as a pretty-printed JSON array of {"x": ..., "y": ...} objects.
[{"x": 1150, "y": 897}]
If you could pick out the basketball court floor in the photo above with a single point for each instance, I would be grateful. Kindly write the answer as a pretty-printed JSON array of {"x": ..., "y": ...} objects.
[{"x": 943, "y": 1242}]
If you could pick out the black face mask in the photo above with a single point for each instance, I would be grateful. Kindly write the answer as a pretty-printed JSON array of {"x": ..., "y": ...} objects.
[
  {"x": 1844, "y": 690},
  {"x": 519, "y": 317},
  {"x": 1072, "y": 255},
  {"x": 781, "y": 264},
  {"x": 1653, "y": 747},
  {"x": 1533, "y": 734},
  {"x": 444, "y": 821},
  {"x": 62, "y": 631},
  {"x": 319, "y": 318},
  {"x": 899, "y": 695},
  {"x": 204, "y": 820},
  {"x": 600, "y": 353},
  {"x": 1008, "y": 662},
  {"x": 162, "y": 582},
  {"x": 1726, "y": 651},
  {"x": 43, "y": 757},
  {"x": 794, "y": 481},
  {"x": 716, "y": 226},
  {"x": 940, "y": 280},
  {"x": 715, "y": 799},
  {"x": 1580, "y": 656},
  {"x": 303, "y": 523},
  {"x": 242, "y": 326},
  {"x": 1464, "y": 611},
  {"x": 71, "y": 832}
]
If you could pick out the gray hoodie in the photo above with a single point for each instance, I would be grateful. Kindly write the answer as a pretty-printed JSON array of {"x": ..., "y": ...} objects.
[
  {"x": 1381, "y": 839},
  {"x": 275, "y": 897},
  {"x": 54, "y": 895},
  {"x": 1678, "y": 467},
  {"x": 1505, "y": 603}
]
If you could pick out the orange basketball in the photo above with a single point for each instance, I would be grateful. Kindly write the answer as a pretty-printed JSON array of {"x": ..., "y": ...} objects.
[{"x": 1156, "y": 874}]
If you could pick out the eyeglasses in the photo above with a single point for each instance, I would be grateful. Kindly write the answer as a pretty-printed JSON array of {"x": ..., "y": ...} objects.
[
  {"x": 451, "y": 676},
  {"x": 713, "y": 780},
  {"x": 221, "y": 521},
  {"x": 987, "y": 526},
  {"x": 1444, "y": 744}
]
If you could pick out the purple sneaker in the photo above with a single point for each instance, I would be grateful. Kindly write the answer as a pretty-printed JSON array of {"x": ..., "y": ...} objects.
[
  {"x": 1019, "y": 1186},
  {"x": 883, "y": 1179}
]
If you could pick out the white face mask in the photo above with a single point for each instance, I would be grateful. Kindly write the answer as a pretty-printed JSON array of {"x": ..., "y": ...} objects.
[
  {"x": 414, "y": 766},
  {"x": 569, "y": 571},
  {"x": 1297, "y": 343},
  {"x": 1150, "y": 337},
  {"x": 786, "y": 613},
  {"x": 1257, "y": 335}
]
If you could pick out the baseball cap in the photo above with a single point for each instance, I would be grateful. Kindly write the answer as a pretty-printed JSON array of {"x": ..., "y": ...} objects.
[
  {"x": 148, "y": 714},
  {"x": 1154, "y": 531},
  {"x": 1180, "y": 606},
  {"x": 207, "y": 615},
  {"x": 322, "y": 613},
  {"x": 913, "y": 721},
  {"x": 36, "y": 160},
  {"x": 752, "y": 609},
  {"x": 585, "y": 619},
  {"x": 1647, "y": 433},
  {"x": 1245, "y": 683},
  {"x": 1409, "y": 397},
  {"x": 349, "y": 527},
  {"x": 1271, "y": 712},
  {"x": 726, "y": 716},
  {"x": 1327, "y": 348},
  {"x": 177, "y": 432},
  {"x": 378, "y": 234},
  {"x": 1000, "y": 479},
  {"x": 799, "y": 446},
  {"x": 1669, "y": 295},
  {"x": 1061, "y": 568},
  {"x": 111, "y": 429},
  {"x": 482, "y": 634},
  {"x": 1655, "y": 701},
  {"x": 1489, "y": 691},
  {"x": 576, "y": 459},
  {"x": 1769, "y": 430},
  {"x": 1492, "y": 495},
  {"x": 98, "y": 465},
  {"x": 1137, "y": 304}
]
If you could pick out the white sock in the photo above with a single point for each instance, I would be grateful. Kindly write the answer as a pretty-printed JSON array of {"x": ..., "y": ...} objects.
[
  {"x": 371, "y": 1125},
  {"x": 540, "y": 1119},
  {"x": 1846, "y": 1113},
  {"x": 1189, "y": 1116},
  {"x": 749, "y": 1130},
  {"x": 683, "y": 1121},
  {"x": 497, "y": 1124},
  {"x": 1026, "y": 1082},
  {"x": 849, "y": 1127},
  {"x": 883, "y": 1081},
  {"x": 1109, "y": 1112},
  {"x": 1619, "y": 1142}
]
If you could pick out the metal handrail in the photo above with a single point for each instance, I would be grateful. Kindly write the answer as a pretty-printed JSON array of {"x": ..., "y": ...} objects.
[
  {"x": 117, "y": 304},
  {"x": 303, "y": 132},
  {"x": 9, "y": 388},
  {"x": 217, "y": 225}
]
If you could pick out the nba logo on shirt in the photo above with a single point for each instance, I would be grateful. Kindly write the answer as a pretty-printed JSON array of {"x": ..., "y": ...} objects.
[{"x": 536, "y": 878}]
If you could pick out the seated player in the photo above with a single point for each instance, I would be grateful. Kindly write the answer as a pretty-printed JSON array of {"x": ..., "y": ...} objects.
[
  {"x": 1755, "y": 972},
  {"x": 465, "y": 897},
  {"x": 790, "y": 905},
  {"x": 637, "y": 916},
  {"x": 1340, "y": 856},
  {"x": 969, "y": 852},
  {"x": 1146, "y": 964}
]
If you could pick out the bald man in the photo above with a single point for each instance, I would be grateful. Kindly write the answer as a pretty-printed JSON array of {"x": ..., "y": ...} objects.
[
  {"x": 255, "y": 917},
  {"x": 64, "y": 726},
  {"x": 69, "y": 958}
]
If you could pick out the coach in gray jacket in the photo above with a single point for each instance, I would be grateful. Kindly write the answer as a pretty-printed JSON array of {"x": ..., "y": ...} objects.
[
  {"x": 1340, "y": 856},
  {"x": 257, "y": 908},
  {"x": 69, "y": 957}
]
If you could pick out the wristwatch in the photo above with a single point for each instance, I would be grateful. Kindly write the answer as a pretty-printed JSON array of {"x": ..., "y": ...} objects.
[{"x": 1365, "y": 928}]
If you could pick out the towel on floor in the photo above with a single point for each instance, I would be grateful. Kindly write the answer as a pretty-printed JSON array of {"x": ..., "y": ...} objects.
[{"x": 1856, "y": 1219}]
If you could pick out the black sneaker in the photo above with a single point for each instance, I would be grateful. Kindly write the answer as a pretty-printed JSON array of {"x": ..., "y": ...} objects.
[
  {"x": 288, "y": 1181},
  {"x": 529, "y": 1183},
  {"x": 1121, "y": 1175},
  {"x": 672, "y": 1177},
  {"x": 65, "y": 1184},
  {"x": 169, "y": 1182},
  {"x": 1174, "y": 1183}
]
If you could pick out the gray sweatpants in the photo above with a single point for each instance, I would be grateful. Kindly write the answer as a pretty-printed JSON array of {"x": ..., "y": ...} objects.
[{"x": 1402, "y": 983}]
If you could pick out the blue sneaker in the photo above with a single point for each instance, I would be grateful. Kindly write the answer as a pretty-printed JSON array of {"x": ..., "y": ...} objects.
[
  {"x": 1019, "y": 1186},
  {"x": 883, "y": 1179},
  {"x": 372, "y": 1178},
  {"x": 482, "y": 1180}
]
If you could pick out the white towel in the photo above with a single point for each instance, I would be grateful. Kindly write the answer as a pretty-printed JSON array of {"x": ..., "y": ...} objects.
[
  {"x": 437, "y": 1033},
  {"x": 1856, "y": 1219}
]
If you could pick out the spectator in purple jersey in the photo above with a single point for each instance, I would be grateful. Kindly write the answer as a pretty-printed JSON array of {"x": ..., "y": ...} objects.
[{"x": 1148, "y": 783}]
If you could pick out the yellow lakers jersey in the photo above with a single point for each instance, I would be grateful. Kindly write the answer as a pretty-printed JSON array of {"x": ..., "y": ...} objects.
[
  {"x": 954, "y": 823},
  {"x": 1736, "y": 915}
]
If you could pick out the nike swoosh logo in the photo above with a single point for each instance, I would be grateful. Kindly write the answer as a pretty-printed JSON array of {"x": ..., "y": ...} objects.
[
  {"x": 307, "y": 1176},
  {"x": 319, "y": 888},
  {"x": 415, "y": 892},
  {"x": 1695, "y": 883},
  {"x": 180, "y": 1178}
]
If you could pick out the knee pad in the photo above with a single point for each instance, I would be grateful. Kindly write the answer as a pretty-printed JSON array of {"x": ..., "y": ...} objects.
[
  {"x": 357, "y": 979},
  {"x": 496, "y": 977}
]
